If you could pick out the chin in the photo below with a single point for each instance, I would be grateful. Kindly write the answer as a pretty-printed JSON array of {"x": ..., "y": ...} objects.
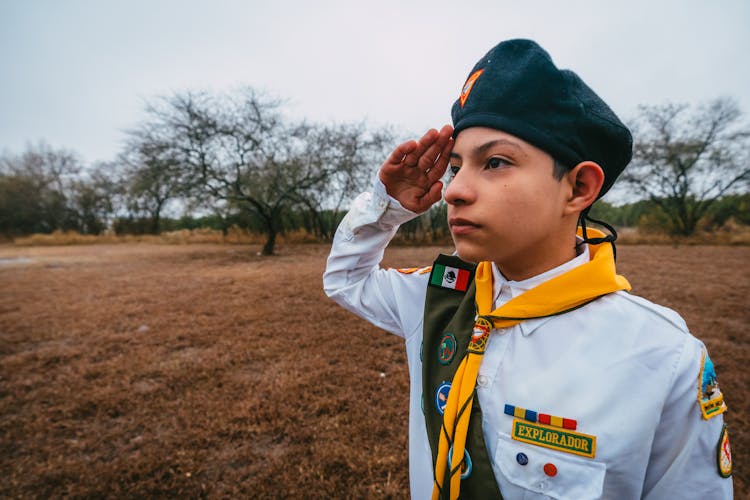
[{"x": 468, "y": 253}]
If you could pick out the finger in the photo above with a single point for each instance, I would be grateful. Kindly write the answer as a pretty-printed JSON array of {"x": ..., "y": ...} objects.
[
  {"x": 401, "y": 151},
  {"x": 425, "y": 142},
  {"x": 445, "y": 134},
  {"x": 431, "y": 155},
  {"x": 427, "y": 160},
  {"x": 440, "y": 166},
  {"x": 432, "y": 196},
  {"x": 433, "y": 145}
]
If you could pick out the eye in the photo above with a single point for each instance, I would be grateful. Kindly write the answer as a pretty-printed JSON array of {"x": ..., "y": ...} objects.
[
  {"x": 496, "y": 162},
  {"x": 452, "y": 171}
]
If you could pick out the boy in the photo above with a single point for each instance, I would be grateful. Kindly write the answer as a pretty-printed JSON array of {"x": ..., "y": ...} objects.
[{"x": 534, "y": 374}]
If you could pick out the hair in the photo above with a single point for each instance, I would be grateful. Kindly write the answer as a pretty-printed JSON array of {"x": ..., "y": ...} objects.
[{"x": 559, "y": 169}]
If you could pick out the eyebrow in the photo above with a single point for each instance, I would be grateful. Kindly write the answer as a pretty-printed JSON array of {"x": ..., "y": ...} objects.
[{"x": 490, "y": 144}]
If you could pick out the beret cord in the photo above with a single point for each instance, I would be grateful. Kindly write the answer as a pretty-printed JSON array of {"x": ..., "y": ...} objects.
[{"x": 596, "y": 241}]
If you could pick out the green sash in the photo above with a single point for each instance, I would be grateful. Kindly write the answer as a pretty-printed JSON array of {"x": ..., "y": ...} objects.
[{"x": 450, "y": 312}]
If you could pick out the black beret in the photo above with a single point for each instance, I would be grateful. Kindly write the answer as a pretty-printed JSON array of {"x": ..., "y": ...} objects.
[{"x": 517, "y": 88}]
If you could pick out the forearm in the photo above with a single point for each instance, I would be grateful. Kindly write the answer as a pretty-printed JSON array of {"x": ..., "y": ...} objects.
[{"x": 353, "y": 277}]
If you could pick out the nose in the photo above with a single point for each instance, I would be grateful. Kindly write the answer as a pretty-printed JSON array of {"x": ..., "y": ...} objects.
[{"x": 460, "y": 189}]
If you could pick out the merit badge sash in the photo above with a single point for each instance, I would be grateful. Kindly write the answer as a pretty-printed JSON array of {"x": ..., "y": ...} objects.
[{"x": 448, "y": 322}]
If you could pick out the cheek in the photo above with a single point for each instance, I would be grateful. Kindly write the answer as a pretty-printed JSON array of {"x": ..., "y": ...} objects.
[
  {"x": 532, "y": 208},
  {"x": 548, "y": 196},
  {"x": 518, "y": 201}
]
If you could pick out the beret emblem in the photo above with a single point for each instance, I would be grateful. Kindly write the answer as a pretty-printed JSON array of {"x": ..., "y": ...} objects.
[{"x": 469, "y": 85}]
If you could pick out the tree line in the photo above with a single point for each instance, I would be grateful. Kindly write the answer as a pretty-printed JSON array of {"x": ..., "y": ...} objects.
[
  {"x": 233, "y": 156},
  {"x": 235, "y": 159}
]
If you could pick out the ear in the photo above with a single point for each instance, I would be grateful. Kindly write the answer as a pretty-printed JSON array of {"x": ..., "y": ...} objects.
[{"x": 585, "y": 180}]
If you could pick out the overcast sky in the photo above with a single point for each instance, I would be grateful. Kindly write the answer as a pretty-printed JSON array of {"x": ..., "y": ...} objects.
[{"x": 77, "y": 73}]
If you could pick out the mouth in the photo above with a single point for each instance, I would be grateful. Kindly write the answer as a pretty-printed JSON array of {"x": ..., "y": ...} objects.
[{"x": 459, "y": 226}]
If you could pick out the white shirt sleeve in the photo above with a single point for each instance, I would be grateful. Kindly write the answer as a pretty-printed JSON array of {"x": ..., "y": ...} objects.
[
  {"x": 683, "y": 462},
  {"x": 353, "y": 278}
]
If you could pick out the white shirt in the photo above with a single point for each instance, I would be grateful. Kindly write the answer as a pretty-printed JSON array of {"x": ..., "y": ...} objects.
[{"x": 624, "y": 368}]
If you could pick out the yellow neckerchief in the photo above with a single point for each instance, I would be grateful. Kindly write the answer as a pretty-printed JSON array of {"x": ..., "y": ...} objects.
[{"x": 558, "y": 295}]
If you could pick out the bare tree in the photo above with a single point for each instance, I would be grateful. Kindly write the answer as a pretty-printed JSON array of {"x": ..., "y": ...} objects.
[
  {"x": 685, "y": 159},
  {"x": 347, "y": 155},
  {"x": 93, "y": 199},
  {"x": 153, "y": 174},
  {"x": 237, "y": 148}
]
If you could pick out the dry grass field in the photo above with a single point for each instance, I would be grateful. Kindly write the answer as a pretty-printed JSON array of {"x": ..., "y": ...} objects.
[{"x": 139, "y": 370}]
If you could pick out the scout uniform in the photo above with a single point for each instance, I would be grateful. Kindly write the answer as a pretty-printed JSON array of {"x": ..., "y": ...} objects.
[{"x": 604, "y": 396}]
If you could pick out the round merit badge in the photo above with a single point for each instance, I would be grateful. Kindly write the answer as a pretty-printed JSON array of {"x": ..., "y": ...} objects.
[
  {"x": 441, "y": 396},
  {"x": 466, "y": 466},
  {"x": 447, "y": 349}
]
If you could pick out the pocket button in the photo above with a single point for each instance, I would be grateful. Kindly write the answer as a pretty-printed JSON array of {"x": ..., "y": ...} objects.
[{"x": 550, "y": 469}]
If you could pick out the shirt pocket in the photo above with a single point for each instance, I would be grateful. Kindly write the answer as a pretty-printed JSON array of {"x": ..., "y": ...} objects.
[{"x": 542, "y": 473}]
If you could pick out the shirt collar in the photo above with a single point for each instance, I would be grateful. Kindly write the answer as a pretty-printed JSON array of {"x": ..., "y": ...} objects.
[{"x": 504, "y": 289}]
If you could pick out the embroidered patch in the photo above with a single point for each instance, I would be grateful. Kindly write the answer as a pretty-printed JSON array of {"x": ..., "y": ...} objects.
[
  {"x": 542, "y": 418},
  {"x": 447, "y": 349},
  {"x": 710, "y": 398},
  {"x": 466, "y": 90},
  {"x": 724, "y": 453},
  {"x": 441, "y": 396},
  {"x": 450, "y": 277},
  {"x": 555, "y": 439},
  {"x": 466, "y": 465}
]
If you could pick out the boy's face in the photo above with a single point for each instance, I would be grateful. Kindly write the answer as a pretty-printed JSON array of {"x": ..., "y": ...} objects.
[{"x": 505, "y": 205}]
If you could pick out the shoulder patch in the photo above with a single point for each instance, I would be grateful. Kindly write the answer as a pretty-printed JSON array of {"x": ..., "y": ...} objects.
[
  {"x": 710, "y": 398},
  {"x": 724, "y": 453}
]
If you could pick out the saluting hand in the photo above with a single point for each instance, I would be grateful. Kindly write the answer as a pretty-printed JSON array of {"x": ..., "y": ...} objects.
[{"x": 412, "y": 173}]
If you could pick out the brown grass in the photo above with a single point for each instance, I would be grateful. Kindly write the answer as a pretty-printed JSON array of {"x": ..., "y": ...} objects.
[{"x": 207, "y": 371}]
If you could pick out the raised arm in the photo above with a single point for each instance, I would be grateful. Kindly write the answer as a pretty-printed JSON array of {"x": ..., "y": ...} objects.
[{"x": 408, "y": 183}]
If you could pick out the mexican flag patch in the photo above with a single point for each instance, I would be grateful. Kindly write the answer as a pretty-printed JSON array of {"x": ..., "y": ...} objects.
[{"x": 453, "y": 278}]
